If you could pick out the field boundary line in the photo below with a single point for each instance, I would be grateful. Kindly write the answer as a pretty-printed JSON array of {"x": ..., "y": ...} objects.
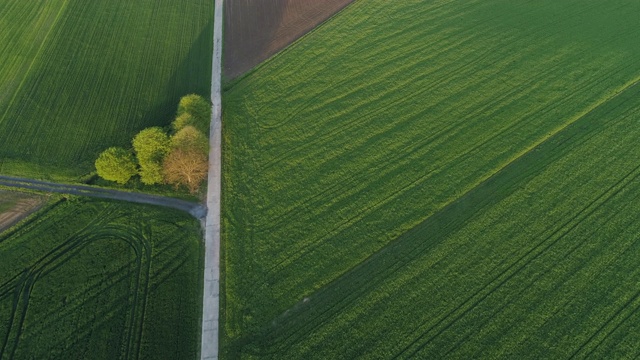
[{"x": 211, "y": 293}]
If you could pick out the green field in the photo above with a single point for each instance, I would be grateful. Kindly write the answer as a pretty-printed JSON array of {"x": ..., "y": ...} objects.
[
  {"x": 92, "y": 279},
  {"x": 438, "y": 179},
  {"x": 78, "y": 77}
]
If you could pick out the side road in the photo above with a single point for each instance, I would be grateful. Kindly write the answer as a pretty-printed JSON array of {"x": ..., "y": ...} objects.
[
  {"x": 196, "y": 210},
  {"x": 211, "y": 297}
]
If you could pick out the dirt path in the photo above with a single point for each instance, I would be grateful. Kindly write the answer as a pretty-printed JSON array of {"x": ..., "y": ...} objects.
[
  {"x": 211, "y": 300},
  {"x": 195, "y": 209}
]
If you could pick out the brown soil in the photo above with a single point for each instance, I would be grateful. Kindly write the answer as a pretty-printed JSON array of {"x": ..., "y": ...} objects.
[
  {"x": 15, "y": 206},
  {"x": 257, "y": 29}
]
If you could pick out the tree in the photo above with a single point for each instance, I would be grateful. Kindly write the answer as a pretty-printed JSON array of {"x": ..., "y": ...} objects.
[
  {"x": 190, "y": 138},
  {"x": 116, "y": 164},
  {"x": 151, "y": 146},
  {"x": 186, "y": 167},
  {"x": 183, "y": 121},
  {"x": 151, "y": 173},
  {"x": 198, "y": 108}
]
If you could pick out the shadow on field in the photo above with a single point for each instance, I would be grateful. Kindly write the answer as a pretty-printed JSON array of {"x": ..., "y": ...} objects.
[{"x": 193, "y": 75}]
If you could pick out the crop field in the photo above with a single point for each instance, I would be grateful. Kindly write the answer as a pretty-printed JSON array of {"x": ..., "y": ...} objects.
[
  {"x": 79, "y": 77},
  {"x": 101, "y": 280},
  {"x": 438, "y": 179},
  {"x": 257, "y": 29}
]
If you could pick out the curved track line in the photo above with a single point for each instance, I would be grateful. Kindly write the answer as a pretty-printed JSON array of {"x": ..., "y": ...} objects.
[{"x": 60, "y": 255}]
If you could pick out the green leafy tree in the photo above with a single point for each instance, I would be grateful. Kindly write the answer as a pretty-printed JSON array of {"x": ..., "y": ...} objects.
[
  {"x": 190, "y": 138},
  {"x": 116, "y": 164},
  {"x": 198, "y": 108},
  {"x": 151, "y": 173},
  {"x": 151, "y": 146},
  {"x": 183, "y": 121}
]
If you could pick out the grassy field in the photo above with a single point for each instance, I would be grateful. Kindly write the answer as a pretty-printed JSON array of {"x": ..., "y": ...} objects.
[
  {"x": 438, "y": 179},
  {"x": 77, "y": 78},
  {"x": 101, "y": 280}
]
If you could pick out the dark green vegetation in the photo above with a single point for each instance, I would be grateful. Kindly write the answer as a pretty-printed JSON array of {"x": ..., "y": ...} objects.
[
  {"x": 79, "y": 77},
  {"x": 420, "y": 179},
  {"x": 193, "y": 110},
  {"x": 101, "y": 280}
]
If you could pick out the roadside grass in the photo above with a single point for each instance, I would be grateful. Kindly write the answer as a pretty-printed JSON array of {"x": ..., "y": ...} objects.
[
  {"x": 101, "y": 279},
  {"x": 392, "y": 179},
  {"x": 78, "y": 78}
]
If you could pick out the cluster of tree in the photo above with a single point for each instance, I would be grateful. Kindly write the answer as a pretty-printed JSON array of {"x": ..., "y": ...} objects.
[{"x": 176, "y": 156}]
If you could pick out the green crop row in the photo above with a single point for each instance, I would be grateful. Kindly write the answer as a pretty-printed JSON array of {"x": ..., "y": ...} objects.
[
  {"x": 78, "y": 78},
  {"x": 518, "y": 263},
  {"x": 99, "y": 279},
  {"x": 371, "y": 169}
]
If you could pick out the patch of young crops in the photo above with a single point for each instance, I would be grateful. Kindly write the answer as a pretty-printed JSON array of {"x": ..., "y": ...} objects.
[
  {"x": 102, "y": 280},
  {"x": 432, "y": 179},
  {"x": 79, "y": 77}
]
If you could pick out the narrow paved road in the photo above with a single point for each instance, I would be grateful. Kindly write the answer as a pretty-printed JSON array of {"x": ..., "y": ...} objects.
[
  {"x": 211, "y": 299},
  {"x": 195, "y": 209}
]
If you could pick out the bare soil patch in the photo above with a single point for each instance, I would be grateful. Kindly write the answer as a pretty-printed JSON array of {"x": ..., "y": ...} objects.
[
  {"x": 15, "y": 206},
  {"x": 257, "y": 29}
]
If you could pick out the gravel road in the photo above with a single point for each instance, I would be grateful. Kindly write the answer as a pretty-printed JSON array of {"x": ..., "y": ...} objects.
[
  {"x": 196, "y": 210},
  {"x": 211, "y": 297}
]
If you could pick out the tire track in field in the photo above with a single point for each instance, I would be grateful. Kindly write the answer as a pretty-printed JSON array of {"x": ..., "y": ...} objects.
[
  {"x": 414, "y": 146},
  {"x": 566, "y": 253},
  {"x": 455, "y": 40},
  {"x": 629, "y": 178},
  {"x": 277, "y": 268},
  {"x": 631, "y": 307},
  {"x": 19, "y": 287},
  {"x": 446, "y": 220},
  {"x": 451, "y": 128},
  {"x": 57, "y": 257},
  {"x": 293, "y": 255},
  {"x": 520, "y": 264}
]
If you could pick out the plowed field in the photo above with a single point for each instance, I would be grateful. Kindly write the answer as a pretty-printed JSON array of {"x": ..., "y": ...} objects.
[
  {"x": 15, "y": 206},
  {"x": 257, "y": 29},
  {"x": 92, "y": 279},
  {"x": 438, "y": 179}
]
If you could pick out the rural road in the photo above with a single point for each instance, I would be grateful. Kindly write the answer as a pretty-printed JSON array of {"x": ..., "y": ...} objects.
[
  {"x": 195, "y": 209},
  {"x": 211, "y": 298}
]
